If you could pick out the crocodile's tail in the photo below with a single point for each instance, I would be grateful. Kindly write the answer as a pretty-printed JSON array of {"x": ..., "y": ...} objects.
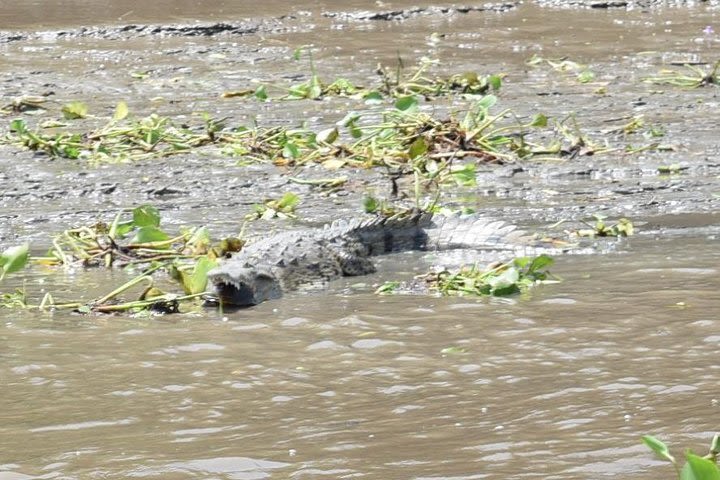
[
  {"x": 425, "y": 231},
  {"x": 471, "y": 231}
]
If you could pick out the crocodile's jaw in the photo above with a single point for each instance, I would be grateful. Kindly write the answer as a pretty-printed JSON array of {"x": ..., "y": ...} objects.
[{"x": 243, "y": 286}]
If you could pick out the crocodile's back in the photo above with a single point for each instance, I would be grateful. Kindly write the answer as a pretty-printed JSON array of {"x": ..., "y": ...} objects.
[{"x": 423, "y": 231}]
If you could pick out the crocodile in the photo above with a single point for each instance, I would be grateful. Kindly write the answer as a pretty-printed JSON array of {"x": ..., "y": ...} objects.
[{"x": 309, "y": 258}]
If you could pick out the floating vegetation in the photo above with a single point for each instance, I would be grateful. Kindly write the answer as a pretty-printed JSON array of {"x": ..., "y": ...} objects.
[
  {"x": 151, "y": 137},
  {"x": 27, "y": 104},
  {"x": 500, "y": 279},
  {"x": 582, "y": 73},
  {"x": 398, "y": 83},
  {"x": 13, "y": 259},
  {"x": 692, "y": 77},
  {"x": 283, "y": 207},
  {"x": 696, "y": 467},
  {"x": 136, "y": 243},
  {"x": 394, "y": 83},
  {"x": 622, "y": 228}
]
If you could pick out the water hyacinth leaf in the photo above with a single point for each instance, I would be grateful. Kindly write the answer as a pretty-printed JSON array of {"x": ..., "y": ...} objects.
[
  {"x": 288, "y": 201},
  {"x": 18, "y": 126},
  {"x": 586, "y": 76},
  {"x": 387, "y": 288},
  {"x": 74, "y": 110},
  {"x": 539, "y": 263},
  {"x": 261, "y": 93},
  {"x": 373, "y": 98},
  {"x": 121, "y": 111},
  {"x": 464, "y": 175},
  {"x": 370, "y": 204},
  {"x": 539, "y": 120},
  {"x": 625, "y": 227},
  {"x": 297, "y": 53},
  {"x": 507, "y": 279},
  {"x": 316, "y": 89},
  {"x": 657, "y": 446},
  {"x": 487, "y": 102},
  {"x": 453, "y": 350},
  {"x": 122, "y": 229},
  {"x": 407, "y": 104},
  {"x": 149, "y": 234},
  {"x": 146, "y": 216},
  {"x": 350, "y": 119},
  {"x": 290, "y": 150},
  {"x": 200, "y": 240},
  {"x": 417, "y": 148},
  {"x": 194, "y": 281},
  {"x": 715, "y": 445},
  {"x": 13, "y": 259},
  {"x": 328, "y": 135},
  {"x": 699, "y": 468}
]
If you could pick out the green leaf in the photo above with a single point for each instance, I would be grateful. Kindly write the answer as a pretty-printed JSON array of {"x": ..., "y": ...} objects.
[
  {"x": 506, "y": 279},
  {"x": 290, "y": 150},
  {"x": 539, "y": 120},
  {"x": 13, "y": 259},
  {"x": 487, "y": 102},
  {"x": 328, "y": 135},
  {"x": 148, "y": 235},
  {"x": 74, "y": 110},
  {"x": 316, "y": 89},
  {"x": 261, "y": 93},
  {"x": 539, "y": 263},
  {"x": 194, "y": 281},
  {"x": 407, "y": 104},
  {"x": 373, "y": 98},
  {"x": 370, "y": 204},
  {"x": 121, "y": 111},
  {"x": 495, "y": 82},
  {"x": 146, "y": 216},
  {"x": 464, "y": 175},
  {"x": 417, "y": 148},
  {"x": 586, "y": 76},
  {"x": 715, "y": 444},
  {"x": 699, "y": 468},
  {"x": 387, "y": 288},
  {"x": 18, "y": 126},
  {"x": 297, "y": 53},
  {"x": 288, "y": 201},
  {"x": 660, "y": 449}
]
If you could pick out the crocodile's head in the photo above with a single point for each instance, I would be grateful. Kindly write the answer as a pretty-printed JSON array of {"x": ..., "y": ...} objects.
[{"x": 242, "y": 286}]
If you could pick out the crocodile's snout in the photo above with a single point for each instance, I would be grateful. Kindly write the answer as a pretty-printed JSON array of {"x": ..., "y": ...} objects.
[{"x": 243, "y": 287}]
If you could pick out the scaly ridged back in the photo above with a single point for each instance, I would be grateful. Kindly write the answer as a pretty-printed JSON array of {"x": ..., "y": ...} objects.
[{"x": 423, "y": 231}]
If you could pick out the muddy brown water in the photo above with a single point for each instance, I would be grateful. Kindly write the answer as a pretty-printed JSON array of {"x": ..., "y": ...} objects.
[{"x": 560, "y": 383}]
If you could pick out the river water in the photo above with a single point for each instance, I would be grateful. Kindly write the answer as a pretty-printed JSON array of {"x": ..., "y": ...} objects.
[{"x": 559, "y": 383}]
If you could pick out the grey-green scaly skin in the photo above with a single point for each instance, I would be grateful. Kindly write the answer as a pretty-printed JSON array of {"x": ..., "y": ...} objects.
[{"x": 309, "y": 258}]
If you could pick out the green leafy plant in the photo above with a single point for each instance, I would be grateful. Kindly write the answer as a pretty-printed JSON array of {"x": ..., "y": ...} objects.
[
  {"x": 284, "y": 207},
  {"x": 136, "y": 242},
  {"x": 622, "y": 228},
  {"x": 693, "y": 77},
  {"x": 13, "y": 259},
  {"x": 696, "y": 467},
  {"x": 501, "y": 279}
]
